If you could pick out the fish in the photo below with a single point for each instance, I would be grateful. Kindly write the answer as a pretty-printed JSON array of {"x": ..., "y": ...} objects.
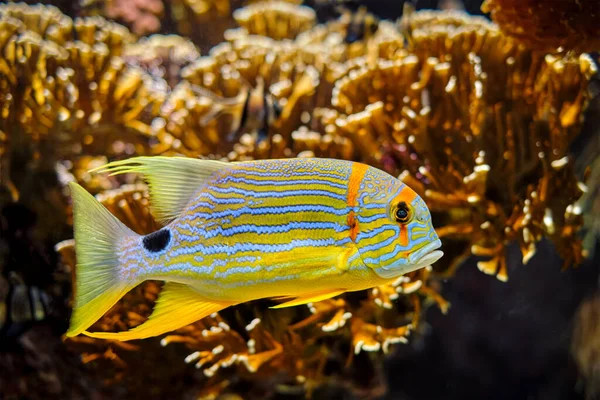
[
  {"x": 297, "y": 231},
  {"x": 21, "y": 305},
  {"x": 254, "y": 110},
  {"x": 361, "y": 25}
]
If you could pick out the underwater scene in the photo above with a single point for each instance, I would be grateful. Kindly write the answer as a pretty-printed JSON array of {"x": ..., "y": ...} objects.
[{"x": 320, "y": 199}]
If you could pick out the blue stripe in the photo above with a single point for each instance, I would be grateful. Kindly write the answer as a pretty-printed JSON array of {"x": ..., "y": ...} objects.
[
  {"x": 374, "y": 206},
  {"x": 291, "y": 166},
  {"x": 268, "y": 229},
  {"x": 221, "y": 200},
  {"x": 287, "y": 193},
  {"x": 377, "y": 246},
  {"x": 389, "y": 241},
  {"x": 368, "y": 234},
  {"x": 281, "y": 182},
  {"x": 268, "y": 211},
  {"x": 265, "y": 248},
  {"x": 282, "y": 174},
  {"x": 213, "y": 201},
  {"x": 258, "y": 229},
  {"x": 372, "y": 218},
  {"x": 387, "y": 257}
]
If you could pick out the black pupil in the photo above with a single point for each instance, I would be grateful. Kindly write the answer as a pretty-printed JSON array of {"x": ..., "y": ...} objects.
[{"x": 402, "y": 213}]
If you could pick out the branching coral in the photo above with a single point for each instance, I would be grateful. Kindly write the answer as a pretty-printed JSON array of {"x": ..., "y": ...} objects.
[
  {"x": 31, "y": 67},
  {"x": 275, "y": 19},
  {"x": 143, "y": 16},
  {"x": 113, "y": 101},
  {"x": 95, "y": 30},
  {"x": 197, "y": 122},
  {"x": 464, "y": 119},
  {"x": 162, "y": 56},
  {"x": 295, "y": 341},
  {"x": 193, "y": 16},
  {"x": 566, "y": 25},
  {"x": 351, "y": 36},
  {"x": 46, "y": 21},
  {"x": 70, "y": 92},
  {"x": 33, "y": 87},
  {"x": 472, "y": 120}
]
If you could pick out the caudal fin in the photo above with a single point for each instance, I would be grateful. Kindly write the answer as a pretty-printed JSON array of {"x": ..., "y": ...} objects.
[{"x": 98, "y": 285}]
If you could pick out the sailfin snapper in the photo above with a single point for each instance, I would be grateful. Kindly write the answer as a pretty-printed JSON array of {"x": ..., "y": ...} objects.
[{"x": 302, "y": 230}]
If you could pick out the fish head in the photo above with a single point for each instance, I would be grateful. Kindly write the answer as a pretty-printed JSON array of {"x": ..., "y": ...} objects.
[{"x": 396, "y": 234}]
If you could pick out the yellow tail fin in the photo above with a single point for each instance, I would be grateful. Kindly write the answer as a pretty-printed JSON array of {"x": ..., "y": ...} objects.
[{"x": 98, "y": 285}]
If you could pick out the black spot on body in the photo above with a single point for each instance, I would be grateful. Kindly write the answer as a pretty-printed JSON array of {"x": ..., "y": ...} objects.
[{"x": 157, "y": 241}]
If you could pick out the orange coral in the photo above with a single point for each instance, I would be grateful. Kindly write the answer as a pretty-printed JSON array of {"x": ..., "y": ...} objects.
[
  {"x": 225, "y": 73},
  {"x": 143, "y": 16},
  {"x": 275, "y": 19},
  {"x": 496, "y": 121},
  {"x": 70, "y": 87},
  {"x": 162, "y": 56},
  {"x": 471, "y": 119},
  {"x": 566, "y": 24}
]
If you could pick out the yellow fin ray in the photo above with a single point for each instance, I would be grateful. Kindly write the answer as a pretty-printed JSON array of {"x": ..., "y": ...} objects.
[
  {"x": 98, "y": 285},
  {"x": 173, "y": 181},
  {"x": 310, "y": 298},
  {"x": 178, "y": 305}
]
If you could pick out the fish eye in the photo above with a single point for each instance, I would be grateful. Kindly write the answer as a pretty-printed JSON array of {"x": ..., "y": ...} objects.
[{"x": 403, "y": 213}]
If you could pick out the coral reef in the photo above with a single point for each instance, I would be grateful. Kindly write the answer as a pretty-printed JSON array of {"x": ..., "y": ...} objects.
[
  {"x": 500, "y": 117},
  {"x": 143, "y": 16},
  {"x": 162, "y": 56},
  {"x": 199, "y": 122},
  {"x": 566, "y": 25},
  {"x": 476, "y": 122},
  {"x": 70, "y": 93},
  {"x": 275, "y": 19},
  {"x": 191, "y": 18}
]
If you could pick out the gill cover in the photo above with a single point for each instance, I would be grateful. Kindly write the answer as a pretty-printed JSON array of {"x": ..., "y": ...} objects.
[{"x": 401, "y": 223}]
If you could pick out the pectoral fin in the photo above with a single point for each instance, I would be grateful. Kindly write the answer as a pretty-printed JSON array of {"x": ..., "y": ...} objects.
[
  {"x": 178, "y": 305},
  {"x": 311, "y": 298}
]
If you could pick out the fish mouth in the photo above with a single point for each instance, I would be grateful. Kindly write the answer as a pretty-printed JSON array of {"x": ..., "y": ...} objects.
[
  {"x": 423, "y": 257},
  {"x": 427, "y": 255}
]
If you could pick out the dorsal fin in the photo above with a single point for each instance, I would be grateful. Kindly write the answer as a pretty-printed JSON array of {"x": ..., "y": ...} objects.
[{"x": 173, "y": 181}]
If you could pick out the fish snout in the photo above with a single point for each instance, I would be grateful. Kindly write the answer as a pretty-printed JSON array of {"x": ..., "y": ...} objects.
[{"x": 427, "y": 254}]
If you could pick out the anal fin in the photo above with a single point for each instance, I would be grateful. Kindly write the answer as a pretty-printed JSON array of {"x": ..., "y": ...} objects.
[
  {"x": 311, "y": 298},
  {"x": 178, "y": 305}
]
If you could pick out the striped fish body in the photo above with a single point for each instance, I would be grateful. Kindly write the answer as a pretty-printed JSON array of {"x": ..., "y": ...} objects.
[
  {"x": 300, "y": 229},
  {"x": 262, "y": 229}
]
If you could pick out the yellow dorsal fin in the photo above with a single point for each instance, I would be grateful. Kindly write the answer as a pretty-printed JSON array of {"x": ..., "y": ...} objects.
[
  {"x": 173, "y": 181},
  {"x": 178, "y": 305},
  {"x": 311, "y": 298}
]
